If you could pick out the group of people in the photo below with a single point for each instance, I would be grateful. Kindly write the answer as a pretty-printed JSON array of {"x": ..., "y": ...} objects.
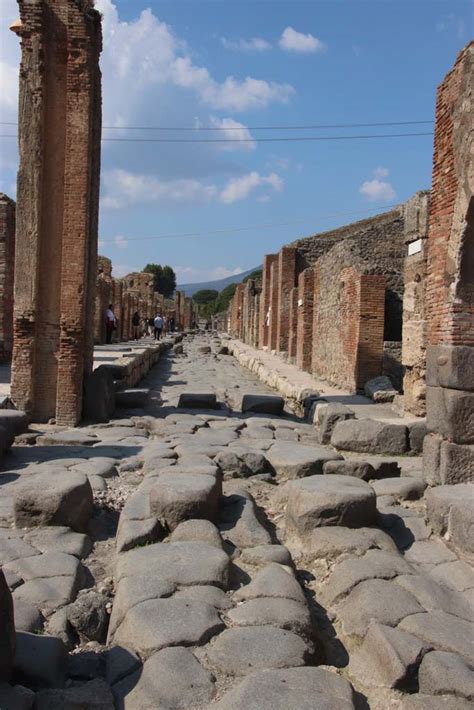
[{"x": 153, "y": 327}]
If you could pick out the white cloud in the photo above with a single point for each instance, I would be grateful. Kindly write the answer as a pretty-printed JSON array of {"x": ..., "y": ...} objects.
[
  {"x": 377, "y": 190},
  {"x": 188, "y": 274},
  {"x": 293, "y": 41},
  {"x": 240, "y": 188},
  {"x": 230, "y": 129},
  {"x": 222, "y": 272},
  {"x": 255, "y": 44},
  {"x": 123, "y": 188},
  {"x": 146, "y": 52},
  {"x": 121, "y": 242},
  {"x": 381, "y": 172}
]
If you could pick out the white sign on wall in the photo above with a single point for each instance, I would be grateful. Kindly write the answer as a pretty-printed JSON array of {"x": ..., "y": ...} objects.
[{"x": 414, "y": 247}]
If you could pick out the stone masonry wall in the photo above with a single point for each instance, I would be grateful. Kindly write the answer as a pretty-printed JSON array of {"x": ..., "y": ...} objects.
[
  {"x": 448, "y": 452},
  {"x": 7, "y": 266},
  {"x": 57, "y": 214}
]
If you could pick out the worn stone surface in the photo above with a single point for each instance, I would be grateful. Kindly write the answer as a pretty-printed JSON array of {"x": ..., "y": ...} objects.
[
  {"x": 94, "y": 695},
  {"x": 263, "y": 404},
  {"x": 370, "y": 436},
  {"x": 261, "y": 555},
  {"x": 444, "y": 631},
  {"x": 299, "y": 461},
  {"x": 190, "y": 400},
  {"x": 380, "y": 389},
  {"x": 443, "y": 673},
  {"x": 359, "y": 469},
  {"x": 239, "y": 522},
  {"x": 405, "y": 488},
  {"x": 175, "y": 498},
  {"x": 284, "y": 613},
  {"x": 273, "y": 581},
  {"x": 330, "y": 415},
  {"x": 40, "y": 660}
]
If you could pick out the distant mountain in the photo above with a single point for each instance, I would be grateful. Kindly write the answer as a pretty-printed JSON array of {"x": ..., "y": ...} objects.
[{"x": 190, "y": 289}]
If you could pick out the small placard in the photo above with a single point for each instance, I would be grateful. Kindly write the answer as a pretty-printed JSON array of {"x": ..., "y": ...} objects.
[
  {"x": 414, "y": 247},
  {"x": 300, "y": 302}
]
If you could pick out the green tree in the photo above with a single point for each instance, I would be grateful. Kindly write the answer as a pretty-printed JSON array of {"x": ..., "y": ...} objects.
[
  {"x": 224, "y": 298},
  {"x": 205, "y": 296},
  {"x": 164, "y": 278}
]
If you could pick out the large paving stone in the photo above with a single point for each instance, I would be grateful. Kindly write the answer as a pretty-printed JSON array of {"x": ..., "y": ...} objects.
[
  {"x": 171, "y": 678},
  {"x": 157, "y": 623},
  {"x": 273, "y": 581},
  {"x": 456, "y": 464},
  {"x": 283, "y": 613},
  {"x": 461, "y": 528},
  {"x": 429, "y": 552},
  {"x": 135, "y": 533},
  {"x": 48, "y": 594},
  {"x": 215, "y": 437},
  {"x": 183, "y": 563},
  {"x": 7, "y": 630},
  {"x": 443, "y": 673},
  {"x": 440, "y": 500},
  {"x": 387, "y": 658},
  {"x": 370, "y": 436},
  {"x": 457, "y": 575},
  {"x": 443, "y": 631},
  {"x": 51, "y": 564},
  {"x": 14, "y": 548},
  {"x": 432, "y": 596},
  {"x": 329, "y": 500},
  {"x": 193, "y": 400},
  {"x": 205, "y": 593},
  {"x": 197, "y": 531},
  {"x": 60, "y": 539},
  {"x": 331, "y": 414},
  {"x": 375, "y": 564},
  {"x": 71, "y": 437},
  {"x": 14, "y": 421},
  {"x": 263, "y": 404},
  {"x": 239, "y": 522},
  {"x": 298, "y": 460},
  {"x": 27, "y": 618},
  {"x": 132, "y": 398},
  {"x": 241, "y": 651},
  {"x": 178, "y": 497},
  {"x": 375, "y": 600},
  {"x": 134, "y": 590},
  {"x": 40, "y": 660},
  {"x": 93, "y": 695},
  {"x": 405, "y": 488},
  {"x": 262, "y": 555},
  {"x": 54, "y": 498},
  {"x": 330, "y": 542},
  {"x": 358, "y": 469},
  {"x": 295, "y": 688}
]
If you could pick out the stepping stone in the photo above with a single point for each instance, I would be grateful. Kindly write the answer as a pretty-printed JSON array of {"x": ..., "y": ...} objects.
[
  {"x": 443, "y": 673},
  {"x": 433, "y": 596},
  {"x": 330, "y": 415},
  {"x": 330, "y": 542},
  {"x": 375, "y": 564},
  {"x": 263, "y": 404},
  {"x": 295, "y": 688},
  {"x": 443, "y": 631},
  {"x": 184, "y": 563},
  {"x": 134, "y": 590},
  {"x": 73, "y": 437},
  {"x": 329, "y": 500},
  {"x": 404, "y": 488},
  {"x": 205, "y": 593},
  {"x": 175, "y": 498},
  {"x": 370, "y": 436},
  {"x": 188, "y": 400},
  {"x": 157, "y": 623},
  {"x": 357, "y": 469},
  {"x": 283, "y": 613},
  {"x": 376, "y": 600},
  {"x": 171, "y": 678},
  {"x": 60, "y": 539},
  {"x": 54, "y": 498},
  {"x": 241, "y": 651},
  {"x": 262, "y": 555},
  {"x": 387, "y": 657},
  {"x": 239, "y": 521},
  {"x": 299, "y": 461},
  {"x": 131, "y": 398},
  {"x": 274, "y": 582},
  {"x": 197, "y": 531}
]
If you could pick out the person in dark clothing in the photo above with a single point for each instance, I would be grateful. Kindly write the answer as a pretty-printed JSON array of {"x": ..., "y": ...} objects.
[
  {"x": 136, "y": 326},
  {"x": 171, "y": 324},
  {"x": 110, "y": 323}
]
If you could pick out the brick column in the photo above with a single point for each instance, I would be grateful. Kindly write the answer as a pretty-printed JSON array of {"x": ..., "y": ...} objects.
[
  {"x": 293, "y": 318},
  {"x": 448, "y": 449},
  {"x": 370, "y": 328},
  {"x": 286, "y": 281},
  {"x": 7, "y": 265},
  {"x": 273, "y": 306},
  {"x": 265, "y": 300},
  {"x": 304, "y": 338}
]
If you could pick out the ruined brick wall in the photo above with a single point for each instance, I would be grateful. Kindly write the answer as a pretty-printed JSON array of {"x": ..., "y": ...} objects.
[
  {"x": 7, "y": 266},
  {"x": 272, "y": 314},
  {"x": 103, "y": 298},
  {"x": 293, "y": 318},
  {"x": 286, "y": 281},
  {"x": 447, "y": 451},
  {"x": 236, "y": 308},
  {"x": 304, "y": 319},
  {"x": 265, "y": 300},
  {"x": 58, "y": 197},
  {"x": 413, "y": 357}
]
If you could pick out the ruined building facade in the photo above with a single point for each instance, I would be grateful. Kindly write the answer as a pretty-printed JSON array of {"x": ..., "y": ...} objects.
[
  {"x": 7, "y": 266},
  {"x": 57, "y": 206}
]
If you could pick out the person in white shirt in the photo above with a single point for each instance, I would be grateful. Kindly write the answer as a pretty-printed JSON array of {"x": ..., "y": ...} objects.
[
  {"x": 158, "y": 327},
  {"x": 110, "y": 323}
]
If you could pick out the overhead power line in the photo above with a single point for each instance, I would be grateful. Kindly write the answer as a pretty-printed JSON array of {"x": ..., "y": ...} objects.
[
  {"x": 279, "y": 139},
  {"x": 264, "y": 225},
  {"x": 306, "y": 127}
]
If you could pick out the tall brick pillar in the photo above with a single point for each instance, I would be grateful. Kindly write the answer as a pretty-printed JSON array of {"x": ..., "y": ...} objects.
[
  {"x": 286, "y": 281},
  {"x": 293, "y": 324},
  {"x": 304, "y": 333},
  {"x": 58, "y": 197},
  {"x": 265, "y": 300},
  {"x": 272, "y": 314},
  {"x": 7, "y": 265},
  {"x": 449, "y": 448}
]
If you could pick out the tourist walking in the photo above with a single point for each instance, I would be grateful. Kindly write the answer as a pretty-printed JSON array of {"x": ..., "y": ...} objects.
[
  {"x": 158, "y": 325},
  {"x": 110, "y": 323},
  {"x": 136, "y": 326},
  {"x": 171, "y": 324}
]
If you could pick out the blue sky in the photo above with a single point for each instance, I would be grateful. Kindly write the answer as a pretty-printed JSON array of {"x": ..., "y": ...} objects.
[{"x": 235, "y": 66}]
